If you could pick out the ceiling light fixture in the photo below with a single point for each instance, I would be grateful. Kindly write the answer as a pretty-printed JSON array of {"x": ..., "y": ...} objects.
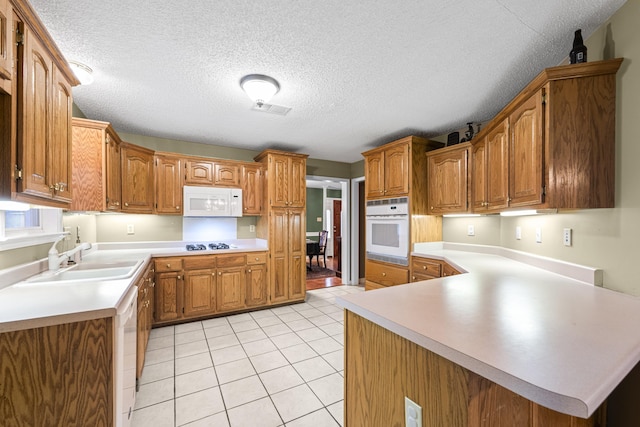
[
  {"x": 259, "y": 88},
  {"x": 83, "y": 72}
]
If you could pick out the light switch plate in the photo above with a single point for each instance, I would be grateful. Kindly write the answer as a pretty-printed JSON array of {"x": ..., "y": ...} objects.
[
  {"x": 130, "y": 229},
  {"x": 471, "y": 231},
  {"x": 518, "y": 233},
  {"x": 538, "y": 235}
]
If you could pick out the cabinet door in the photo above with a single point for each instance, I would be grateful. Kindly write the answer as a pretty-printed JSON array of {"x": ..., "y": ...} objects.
[
  {"x": 34, "y": 134},
  {"x": 297, "y": 253},
  {"x": 168, "y": 185},
  {"x": 279, "y": 183},
  {"x": 137, "y": 188},
  {"x": 374, "y": 175},
  {"x": 497, "y": 167},
  {"x": 5, "y": 41},
  {"x": 226, "y": 174},
  {"x": 526, "y": 166},
  {"x": 256, "y": 285},
  {"x": 297, "y": 182},
  {"x": 168, "y": 291},
  {"x": 61, "y": 135},
  {"x": 230, "y": 288},
  {"x": 448, "y": 182},
  {"x": 278, "y": 245},
  {"x": 396, "y": 171},
  {"x": 199, "y": 292},
  {"x": 198, "y": 172},
  {"x": 113, "y": 170},
  {"x": 141, "y": 328},
  {"x": 479, "y": 176},
  {"x": 87, "y": 167},
  {"x": 252, "y": 189}
]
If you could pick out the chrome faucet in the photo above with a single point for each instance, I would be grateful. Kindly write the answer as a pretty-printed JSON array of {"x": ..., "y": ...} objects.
[{"x": 55, "y": 260}]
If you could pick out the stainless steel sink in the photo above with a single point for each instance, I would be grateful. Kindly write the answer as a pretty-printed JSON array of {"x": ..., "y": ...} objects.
[{"x": 92, "y": 271}]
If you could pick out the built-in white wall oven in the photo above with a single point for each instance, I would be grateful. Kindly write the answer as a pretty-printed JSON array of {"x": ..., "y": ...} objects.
[{"x": 387, "y": 233}]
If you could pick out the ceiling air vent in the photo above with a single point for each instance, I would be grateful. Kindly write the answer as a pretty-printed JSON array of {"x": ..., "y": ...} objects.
[{"x": 273, "y": 109}]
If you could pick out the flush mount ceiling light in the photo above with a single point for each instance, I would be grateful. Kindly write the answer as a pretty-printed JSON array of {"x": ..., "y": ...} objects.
[
  {"x": 83, "y": 72},
  {"x": 259, "y": 88}
]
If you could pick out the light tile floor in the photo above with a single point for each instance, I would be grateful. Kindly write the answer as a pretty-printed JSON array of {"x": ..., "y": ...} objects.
[{"x": 274, "y": 367}]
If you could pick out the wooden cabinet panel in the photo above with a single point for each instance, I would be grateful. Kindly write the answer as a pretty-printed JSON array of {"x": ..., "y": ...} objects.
[
  {"x": 386, "y": 274},
  {"x": 145, "y": 316},
  {"x": 6, "y": 50},
  {"x": 297, "y": 254},
  {"x": 425, "y": 267},
  {"x": 479, "y": 175},
  {"x": 490, "y": 188},
  {"x": 374, "y": 174},
  {"x": 226, "y": 174},
  {"x": 231, "y": 287},
  {"x": 257, "y": 282},
  {"x": 252, "y": 189},
  {"x": 256, "y": 258},
  {"x": 198, "y": 172},
  {"x": 286, "y": 186},
  {"x": 168, "y": 296},
  {"x": 526, "y": 146},
  {"x": 199, "y": 292},
  {"x": 163, "y": 265},
  {"x": 168, "y": 189},
  {"x": 278, "y": 245},
  {"x": 113, "y": 169},
  {"x": 279, "y": 183},
  {"x": 297, "y": 184},
  {"x": 137, "y": 188},
  {"x": 448, "y": 180},
  {"x": 396, "y": 171},
  {"x": 61, "y": 138}
]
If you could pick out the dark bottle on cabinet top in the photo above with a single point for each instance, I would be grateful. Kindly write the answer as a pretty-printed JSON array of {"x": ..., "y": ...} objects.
[{"x": 579, "y": 52}]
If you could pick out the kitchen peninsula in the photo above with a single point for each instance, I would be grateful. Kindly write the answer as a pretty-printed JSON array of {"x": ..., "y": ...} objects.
[{"x": 503, "y": 343}]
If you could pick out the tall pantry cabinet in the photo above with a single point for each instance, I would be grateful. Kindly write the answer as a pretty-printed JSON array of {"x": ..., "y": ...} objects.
[{"x": 284, "y": 224}]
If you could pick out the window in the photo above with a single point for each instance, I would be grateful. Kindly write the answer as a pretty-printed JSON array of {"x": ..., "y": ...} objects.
[
  {"x": 22, "y": 220},
  {"x": 24, "y": 225}
]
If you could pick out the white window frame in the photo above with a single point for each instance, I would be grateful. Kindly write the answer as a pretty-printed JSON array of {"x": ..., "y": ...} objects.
[{"x": 50, "y": 228}]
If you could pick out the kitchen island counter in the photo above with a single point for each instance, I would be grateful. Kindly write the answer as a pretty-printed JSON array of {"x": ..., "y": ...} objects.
[{"x": 557, "y": 341}]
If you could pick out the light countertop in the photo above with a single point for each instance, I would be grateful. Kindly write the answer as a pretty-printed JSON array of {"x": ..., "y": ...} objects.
[
  {"x": 25, "y": 305},
  {"x": 560, "y": 342}
]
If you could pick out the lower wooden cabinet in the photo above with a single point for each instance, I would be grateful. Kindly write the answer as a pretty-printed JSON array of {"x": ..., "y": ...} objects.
[
  {"x": 381, "y": 274},
  {"x": 428, "y": 268},
  {"x": 145, "y": 286},
  {"x": 200, "y": 286}
]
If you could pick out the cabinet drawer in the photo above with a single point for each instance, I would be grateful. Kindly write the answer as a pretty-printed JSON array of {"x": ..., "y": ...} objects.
[
  {"x": 256, "y": 258},
  {"x": 385, "y": 274},
  {"x": 168, "y": 264},
  {"x": 447, "y": 270},
  {"x": 236, "y": 260},
  {"x": 199, "y": 262},
  {"x": 417, "y": 277},
  {"x": 425, "y": 267},
  {"x": 370, "y": 286}
]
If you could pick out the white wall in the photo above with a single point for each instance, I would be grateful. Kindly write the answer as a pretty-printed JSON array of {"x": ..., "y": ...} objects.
[{"x": 604, "y": 238}]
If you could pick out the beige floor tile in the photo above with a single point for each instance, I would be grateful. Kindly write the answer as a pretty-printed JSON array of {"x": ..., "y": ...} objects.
[
  {"x": 196, "y": 406},
  {"x": 269, "y": 321},
  {"x": 217, "y": 420},
  {"x": 214, "y": 323},
  {"x": 196, "y": 381},
  {"x": 337, "y": 411},
  {"x": 288, "y": 317},
  {"x": 320, "y": 418},
  {"x": 335, "y": 359},
  {"x": 227, "y": 355},
  {"x": 295, "y": 402},
  {"x": 235, "y": 370},
  {"x": 251, "y": 335},
  {"x": 156, "y": 372},
  {"x": 286, "y": 340},
  {"x": 334, "y": 328},
  {"x": 260, "y": 413},
  {"x": 218, "y": 331},
  {"x": 267, "y": 361},
  {"x": 298, "y": 353},
  {"x": 311, "y": 369},
  {"x": 325, "y": 345},
  {"x": 245, "y": 326},
  {"x": 162, "y": 332},
  {"x": 242, "y": 391},
  {"x": 160, "y": 415},
  {"x": 191, "y": 336},
  {"x": 321, "y": 320},
  {"x": 191, "y": 348},
  {"x": 223, "y": 341},
  {"x": 280, "y": 379},
  {"x": 188, "y": 327},
  {"x": 277, "y": 329},
  {"x": 329, "y": 389},
  {"x": 160, "y": 342},
  {"x": 255, "y": 348},
  {"x": 298, "y": 325},
  {"x": 158, "y": 356},
  {"x": 311, "y": 334},
  {"x": 193, "y": 363},
  {"x": 155, "y": 392}
]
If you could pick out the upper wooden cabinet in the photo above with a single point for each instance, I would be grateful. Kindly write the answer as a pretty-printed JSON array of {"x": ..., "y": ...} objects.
[
  {"x": 202, "y": 171},
  {"x": 397, "y": 169},
  {"x": 168, "y": 176},
  {"x": 252, "y": 189},
  {"x": 198, "y": 171},
  {"x": 35, "y": 117},
  {"x": 490, "y": 170},
  {"x": 137, "y": 188},
  {"x": 6, "y": 51},
  {"x": 286, "y": 183},
  {"x": 226, "y": 174},
  {"x": 96, "y": 172},
  {"x": 448, "y": 180}
]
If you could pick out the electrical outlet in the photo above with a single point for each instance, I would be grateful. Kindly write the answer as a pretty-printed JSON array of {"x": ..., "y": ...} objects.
[
  {"x": 518, "y": 233},
  {"x": 538, "y": 235},
  {"x": 130, "y": 229},
  {"x": 412, "y": 413},
  {"x": 252, "y": 228},
  {"x": 471, "y": 231},
  {"x": 566, "y": 236}
]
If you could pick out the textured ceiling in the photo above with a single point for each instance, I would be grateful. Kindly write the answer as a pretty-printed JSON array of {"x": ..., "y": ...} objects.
[{"x": 356, "y": 74}]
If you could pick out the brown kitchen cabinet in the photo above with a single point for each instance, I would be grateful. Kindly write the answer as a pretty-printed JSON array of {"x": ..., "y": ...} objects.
[
  {"x": 43, "y": 103},
  {"x": 490, "y": 170},
  {"x": 226, "y": 174},
  {"x": 6, "y": 50},
  {"x": 428, "y": 268},
  {"x": 168, "y": 290},
  {"x": 284, "y": 224},
  {"x": 252, "y": 192},
  {"x": 168, "y": 184},
  {"x": 96, "y": 172},
  {"x": 198, "y": 171},
  {"x": 257, "y": 291},
  {"x": 381, "y": 274},
  {"x": 145, "y": 285},
  {"x": 231, "y": 286},
  {"x": 448, "y": 180},
  {"x": 138, "y": 185}
]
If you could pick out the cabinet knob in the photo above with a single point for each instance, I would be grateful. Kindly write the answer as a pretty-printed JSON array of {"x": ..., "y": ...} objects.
[
  {"x": 178, "y": 208},
  {"x": 424, "y": 267},
  {"x": 126, "y": 204},
  {"x": 219, "y": 273},
  {"x": 431, "y": 207},
  {"x": 168, "y": 265},
  {"x": 257, "y": 258},
  {"x": 179, "y": 277},
  {"x": 249, "y": 271},
  {"x": 413, "y": 277},
  {"x": 384, "y": 274},
  {"x": 152, "y": 284}
]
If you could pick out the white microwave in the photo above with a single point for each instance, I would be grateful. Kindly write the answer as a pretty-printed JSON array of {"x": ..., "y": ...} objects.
[{"x": 212, "y": 201}]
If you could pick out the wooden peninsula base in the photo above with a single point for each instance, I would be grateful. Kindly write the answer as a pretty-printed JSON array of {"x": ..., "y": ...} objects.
[{"x": 381, "y": 368}]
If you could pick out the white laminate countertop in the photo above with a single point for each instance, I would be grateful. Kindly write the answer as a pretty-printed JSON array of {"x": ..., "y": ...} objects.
[
  {"x": 25, "y": 305},
  {"x": 562, "y": 343}
]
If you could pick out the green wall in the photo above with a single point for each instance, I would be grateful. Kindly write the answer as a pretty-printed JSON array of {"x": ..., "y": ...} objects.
[{"x": 314, "y": 209}]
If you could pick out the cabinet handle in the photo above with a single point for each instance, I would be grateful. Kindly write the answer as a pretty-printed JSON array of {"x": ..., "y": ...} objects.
[
  {"x": 413, "y": 277},
  {"x": 179, "y": 277},
  {"x": 249, "y": 271},
  {"x": 126, "y": 204},
  {"x": 431, "y": 207},
  {"x": 168, "y": 265},
  {"x": 384, "y": 274},
  {"x": 257, "y": 258},
  {"x": 424, "y": 267},
  {"x": 177, "y": 207},
  {"x": 219, "y": 273}
]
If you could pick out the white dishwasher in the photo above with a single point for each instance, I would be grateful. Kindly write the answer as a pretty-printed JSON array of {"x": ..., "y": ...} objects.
[{"x": 125, "y": 358}]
